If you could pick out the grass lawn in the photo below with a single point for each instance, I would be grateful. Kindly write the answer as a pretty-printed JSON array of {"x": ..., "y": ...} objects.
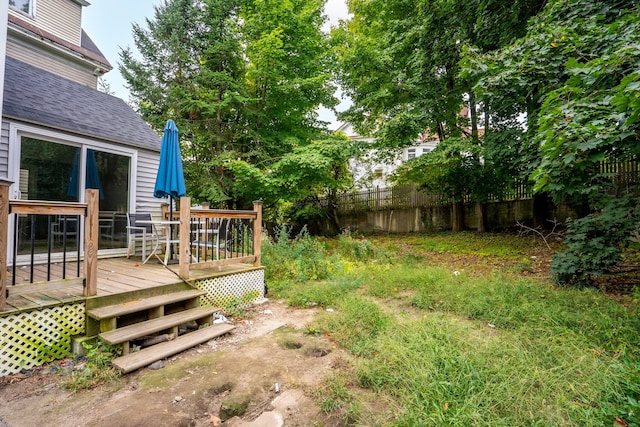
[{"x": 461, "y": 330}]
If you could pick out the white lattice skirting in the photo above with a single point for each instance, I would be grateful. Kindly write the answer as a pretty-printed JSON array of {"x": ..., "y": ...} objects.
[
  {"x": 235, "y": 289},
  {"x": 43, "y": 335},
  {"x": 36, "y": 337}
]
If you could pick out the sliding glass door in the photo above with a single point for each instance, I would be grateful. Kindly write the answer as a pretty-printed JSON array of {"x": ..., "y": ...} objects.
[
  {"x": 52, "y": 171},
  {"x": 113, "y": 172}
]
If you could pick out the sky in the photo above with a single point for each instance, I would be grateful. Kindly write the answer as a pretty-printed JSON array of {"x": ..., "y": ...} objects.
[{"x": 109, "y": 23}]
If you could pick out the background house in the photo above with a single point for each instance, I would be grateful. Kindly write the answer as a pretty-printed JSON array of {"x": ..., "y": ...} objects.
[
  {"x": 59, "y": 134},
  {"x": 369, "y": 172}
]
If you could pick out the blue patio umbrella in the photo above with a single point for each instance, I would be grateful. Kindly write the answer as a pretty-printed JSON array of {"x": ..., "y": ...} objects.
[
  {"x": 92, "y": 176},
  {"x": 170, "y": 178}
]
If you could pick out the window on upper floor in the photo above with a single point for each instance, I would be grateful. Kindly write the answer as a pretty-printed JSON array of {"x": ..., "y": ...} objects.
[
  {"x": 411, "y": 153},
  {"x": 24, "y": 6}
]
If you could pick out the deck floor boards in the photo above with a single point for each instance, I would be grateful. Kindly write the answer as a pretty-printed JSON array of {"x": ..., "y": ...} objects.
[{"x": 115, "y": 276}]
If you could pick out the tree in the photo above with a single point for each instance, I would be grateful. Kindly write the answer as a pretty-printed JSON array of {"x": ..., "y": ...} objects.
[
  {"x": 455, "y": 170},
  {"x": 400, "y": 63},
  {"x": 104, "y": 86},
  {"x": 297, "y": 181},
  {"x": 448, "y": 170},
  {"x": 241, "y": 78},
  {"x": 574, "y": 73},
  {"x": 288, "y": 74},
  {"x": 192, "y": 71}
]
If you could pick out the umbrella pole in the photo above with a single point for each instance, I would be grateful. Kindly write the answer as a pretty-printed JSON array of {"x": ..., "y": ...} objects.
[{"x": 170, "y": 248}]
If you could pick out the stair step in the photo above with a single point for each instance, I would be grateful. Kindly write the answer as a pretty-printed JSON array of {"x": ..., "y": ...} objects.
[
  {"x": 111, "y": 311},
  {"x": 137, "y": 330},
  {"x": 144, "y": 357}
]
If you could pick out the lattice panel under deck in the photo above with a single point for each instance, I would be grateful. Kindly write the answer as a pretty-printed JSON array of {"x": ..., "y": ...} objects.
[
  {"x": 235, "y": 289},
  {"x": 36, "y": 337}
]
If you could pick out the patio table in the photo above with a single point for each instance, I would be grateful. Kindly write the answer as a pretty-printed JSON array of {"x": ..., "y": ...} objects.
[{"x": 168, "y": 241}]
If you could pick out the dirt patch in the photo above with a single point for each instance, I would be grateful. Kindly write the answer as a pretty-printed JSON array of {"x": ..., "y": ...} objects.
[{"x": 242, "y": 373}]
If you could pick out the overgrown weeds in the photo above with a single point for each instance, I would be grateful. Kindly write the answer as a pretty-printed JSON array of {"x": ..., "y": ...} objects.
[
  {"x": 300, "y": 258},
  {"x": 96, "y": 368},
  {"x": 458, "y": 348},
  {"x": 335, "y": 396}
]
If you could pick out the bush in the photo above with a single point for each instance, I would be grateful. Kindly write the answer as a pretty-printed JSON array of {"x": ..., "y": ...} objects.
[
  {"x": 301, "y": 259},
  {"x": 361, "y": 250},
  {"x": 594, "y": 243}
]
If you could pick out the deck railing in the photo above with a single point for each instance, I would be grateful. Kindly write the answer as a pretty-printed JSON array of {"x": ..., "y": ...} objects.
[
  {"x": 86, "y": 215},
  {"x": 213, "y": 238},
  {"x": 52, "y": 233},
  {"x": 238, "y": 242}
]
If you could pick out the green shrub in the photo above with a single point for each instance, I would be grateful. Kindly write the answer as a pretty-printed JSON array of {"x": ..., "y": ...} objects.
[
  {"x": 361, "y": 250},
  {"x": 301, "y": 259},
  {"x": 594, "y": 243}
]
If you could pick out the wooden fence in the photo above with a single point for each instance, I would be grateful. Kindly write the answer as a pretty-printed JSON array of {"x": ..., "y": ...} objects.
[
  {"x": 406, "y": 197},
  {"x": 622, "y": 174}
]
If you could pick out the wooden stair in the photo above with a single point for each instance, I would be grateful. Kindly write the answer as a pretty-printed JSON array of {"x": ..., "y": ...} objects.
[
  {"x": 146, "y": 356},
  {"x": 141, "y": 316}
]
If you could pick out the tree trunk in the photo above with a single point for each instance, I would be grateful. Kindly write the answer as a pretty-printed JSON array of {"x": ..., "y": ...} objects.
[
  {"x": 334, "y": 219},
  {"x": 486, "y": 117},
  {"x": 457, "y": 217},
  {"x": 480, "y": 210},
  {"x": 540, "y": 206}
]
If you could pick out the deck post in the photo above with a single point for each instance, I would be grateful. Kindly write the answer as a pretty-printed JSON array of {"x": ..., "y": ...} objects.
[
  {"x": 257, "y": 232},
  {"x": 4, "y": 227},
  {"x": 184, "y": 256},
  {"x": 91, "y": 236}
]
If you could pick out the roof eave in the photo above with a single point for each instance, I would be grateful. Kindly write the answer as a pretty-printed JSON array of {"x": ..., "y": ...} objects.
[
  {"x": 75, "y": 132},
  {"x": 22, "y": 29}
]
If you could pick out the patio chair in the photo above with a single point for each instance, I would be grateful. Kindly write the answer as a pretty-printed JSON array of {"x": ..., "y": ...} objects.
[
  {"x": 145, "y": 233},
  {"x": 211, "y": 239},
  {"x": 65, "y": 228},
  {"x": 106, "y": 224}
]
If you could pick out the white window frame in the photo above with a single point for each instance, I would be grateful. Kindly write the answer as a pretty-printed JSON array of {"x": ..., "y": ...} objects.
[
  {"x": 32, "y": 9},
  {"x": 19, "y": 130}
]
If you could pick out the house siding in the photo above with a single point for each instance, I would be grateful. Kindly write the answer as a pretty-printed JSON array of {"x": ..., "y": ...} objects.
[
  {"x": 49, "y": 62},
  {"x": 4, "y": 150},
  {"x": 62, "y": 18},
  {"x": 147, "y": 170}
]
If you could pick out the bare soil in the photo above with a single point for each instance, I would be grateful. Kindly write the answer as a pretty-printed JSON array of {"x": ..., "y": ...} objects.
[{"x": 268, "y": 364}]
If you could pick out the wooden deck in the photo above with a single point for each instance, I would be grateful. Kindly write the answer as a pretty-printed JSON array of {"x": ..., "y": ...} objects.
[{"x": 115, "y": 276}]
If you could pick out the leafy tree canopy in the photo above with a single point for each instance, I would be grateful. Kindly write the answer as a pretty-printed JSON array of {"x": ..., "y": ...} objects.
[
  {"x": 575, "y": 75},
  {"x": 242, "y": 79}
]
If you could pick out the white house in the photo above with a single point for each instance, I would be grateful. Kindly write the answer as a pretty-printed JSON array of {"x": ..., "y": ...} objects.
[{"x": 369, "y": 172}]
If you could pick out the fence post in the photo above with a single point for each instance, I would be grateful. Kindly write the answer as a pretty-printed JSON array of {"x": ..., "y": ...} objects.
[
  {"x": 4, "y": 227},
  {"x": 91, "y": 236},
  {"x": 184, "y": 256},
  {"x": 257, "y": 232}
]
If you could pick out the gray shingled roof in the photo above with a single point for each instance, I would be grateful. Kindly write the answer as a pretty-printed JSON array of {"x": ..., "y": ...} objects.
[
  {"x": 37, "y": 96},
  {"x": 87, "y": 43}
]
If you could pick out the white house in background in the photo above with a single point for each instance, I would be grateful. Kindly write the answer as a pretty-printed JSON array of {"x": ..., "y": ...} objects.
[{"x": 371, "y": 173}]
